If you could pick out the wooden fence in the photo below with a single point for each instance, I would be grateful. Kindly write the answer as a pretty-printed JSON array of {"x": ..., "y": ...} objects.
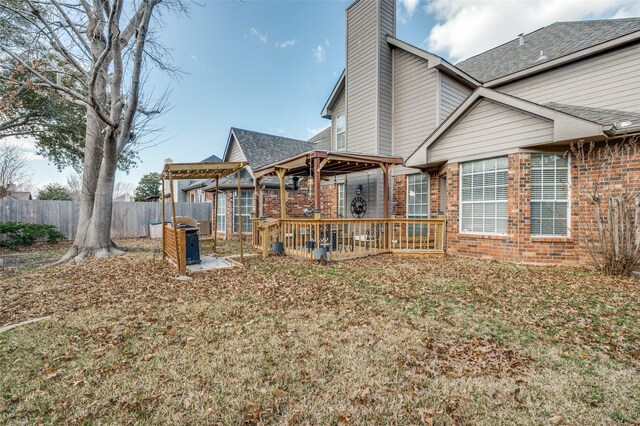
[{"x": 128, "y": 219}]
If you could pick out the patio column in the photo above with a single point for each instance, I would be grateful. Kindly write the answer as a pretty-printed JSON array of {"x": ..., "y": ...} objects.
[
  {"x": 316, "y": 184},
  {"x": 385, "y": 197},
  {"x": 215, "y": 217},
  {"x": 283, "y": 193},
  {"x": 240, "y": 216},
  {"x": 162, "y": 210}
]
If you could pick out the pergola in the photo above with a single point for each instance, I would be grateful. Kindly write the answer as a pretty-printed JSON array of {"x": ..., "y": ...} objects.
[
  {"x": 204, "y": 170},
  {"x": 321, "y": 163}
]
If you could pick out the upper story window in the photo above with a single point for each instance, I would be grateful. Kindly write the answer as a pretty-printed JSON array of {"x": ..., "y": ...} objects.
[
  {"x": 418, "y": 196},
  {"x": 341, "y": 137},
  {"x": 549, "y": 194},
  {"x": 483, "y": 196},
  {"x": 341, "y": 200}
]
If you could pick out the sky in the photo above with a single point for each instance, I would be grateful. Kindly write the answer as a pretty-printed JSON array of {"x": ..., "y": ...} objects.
[{"x": 270, "y": 65}]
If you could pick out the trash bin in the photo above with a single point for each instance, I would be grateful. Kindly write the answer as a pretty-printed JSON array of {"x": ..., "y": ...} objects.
[{"x": 155, "y": 229}]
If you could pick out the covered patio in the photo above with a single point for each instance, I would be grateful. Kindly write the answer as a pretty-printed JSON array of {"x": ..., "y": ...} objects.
[
  {"x": 174, "y": 236},
  {"x": 316, "y": 237}
]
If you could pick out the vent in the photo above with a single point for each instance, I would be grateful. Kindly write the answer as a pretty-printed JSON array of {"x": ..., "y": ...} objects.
[
  {"x": 542, "y": 57},
  {"x": 521, "y": 39}
]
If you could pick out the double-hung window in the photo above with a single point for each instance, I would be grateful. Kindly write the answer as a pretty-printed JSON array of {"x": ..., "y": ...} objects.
[
  {"x": 341, "y": 137},
  {"x": 418, "y": 196},
  {"x": 483, "y": 196},
  {"x": 341, "y": 200},
  {"x": 549, "y": 194},
  {"x": 247, "y": 207},
  {"x": 222, "y": 212}
]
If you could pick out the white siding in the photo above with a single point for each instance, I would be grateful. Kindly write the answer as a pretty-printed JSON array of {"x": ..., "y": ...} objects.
[
  {"x": 337, "y": 110},
  {"x": 235, "y": 153},
  {"x": 415, "y": 94},
  {"x": 452, "y": 94},
  {"x": 491, "y": 129},
  {"x": 610, "y": 80}
]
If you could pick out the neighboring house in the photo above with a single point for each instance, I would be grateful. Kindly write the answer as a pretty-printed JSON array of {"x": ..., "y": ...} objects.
[
  {"x": 258, "y": 149},
  {"x": 19, "y": 195},
  {"x": 194, "y": 189},
  {"x": 484, "y": 141},
  {"x": 125, "y": 198}
]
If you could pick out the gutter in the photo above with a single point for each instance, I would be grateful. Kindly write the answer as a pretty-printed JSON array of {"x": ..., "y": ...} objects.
[{"x": 620, "y": 129}]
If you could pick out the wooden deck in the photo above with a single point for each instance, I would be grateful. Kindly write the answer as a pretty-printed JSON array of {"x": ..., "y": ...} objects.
[{"x": 350, "y": 238}]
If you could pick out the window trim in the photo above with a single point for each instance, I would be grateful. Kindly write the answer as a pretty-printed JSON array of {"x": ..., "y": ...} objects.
[
  {"x": 343, "y": 199},
  {"x": 247, "y": 217},
  {"x": 222, "y": 195},
  {"x": 460, "y": 202},
  {"x": 428, "y": 213},
  {"x": 568, "y": 201},
  {"x": 344, "y": 131}
]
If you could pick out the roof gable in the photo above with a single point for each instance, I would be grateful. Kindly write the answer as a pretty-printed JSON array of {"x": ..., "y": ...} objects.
[
  {"x": 554, "y": 41},
  {"x": 260, "y": 149},
  {"x": 334, "y": 96},
  {"x": 434, "y": 61},
  {"x": 565, "y": 126}
]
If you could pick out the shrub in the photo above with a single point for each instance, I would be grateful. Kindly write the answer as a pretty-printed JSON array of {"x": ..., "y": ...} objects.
[{"x": 15, "y": 234}]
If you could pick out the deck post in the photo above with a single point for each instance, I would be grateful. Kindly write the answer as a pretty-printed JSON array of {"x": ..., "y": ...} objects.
[
  {"x": 283, "y": 193},
  {"x": 215, "y": 218},
  {"x": 316, "y": 184},
  {"x": 162, "y": 200},
  {"x": 174, "y": 225},
  {"x": 385, "y": 191},
  {"x": 240, "y": 216}
]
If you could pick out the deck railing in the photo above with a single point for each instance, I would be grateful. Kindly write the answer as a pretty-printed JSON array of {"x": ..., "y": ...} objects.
[{"x": 350, "y": 238}]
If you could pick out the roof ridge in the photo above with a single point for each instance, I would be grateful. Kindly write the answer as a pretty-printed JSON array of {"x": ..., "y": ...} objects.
[
  {"x": 267, "y": 134},
  {"x": 505, "y": 43},
  {"x": 629, "y": 18}
]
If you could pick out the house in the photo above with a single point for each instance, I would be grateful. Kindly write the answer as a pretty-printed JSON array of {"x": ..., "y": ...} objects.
[
  {"x": 194, "y": 190},
  {"x": 484, "y": 141},
  {"x": 19, "y": 195},
  {"x": 258, "y": 149}
]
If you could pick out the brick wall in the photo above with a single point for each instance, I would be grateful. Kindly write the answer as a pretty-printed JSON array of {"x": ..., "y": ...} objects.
[{"x": 519, "y": 245}]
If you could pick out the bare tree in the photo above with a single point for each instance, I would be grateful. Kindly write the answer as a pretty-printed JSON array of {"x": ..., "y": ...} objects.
[
  {"x": 74, "y": 185},
  {"x": 15, "y": 172},
  {"x": 122, "y": 189},
  {"x": 99, "y": 58},
  {"x": 608, "y": 204}
]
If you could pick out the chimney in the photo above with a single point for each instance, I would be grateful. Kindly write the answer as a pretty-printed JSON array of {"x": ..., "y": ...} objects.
[
  {"x": 521, "y": 39},
  {"x": 168, "y": 160},
  {"x": 368, "y": 93}
]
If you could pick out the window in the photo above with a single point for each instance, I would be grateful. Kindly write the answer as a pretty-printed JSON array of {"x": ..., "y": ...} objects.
[
  {"x": 247, "y": 207},
  {"x": 549, "y": 194},
  {"x": 341, "y": 210},
  {"x": 417, "y": 196},
  {"x": 341, "y": 141},
  {"x": 222, "y": 212},
  {"x": 483, "y": 196}
]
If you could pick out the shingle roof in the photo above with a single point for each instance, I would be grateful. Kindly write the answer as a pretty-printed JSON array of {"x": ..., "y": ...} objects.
[
  {"x": 212, "y": 159},
  {"x": 597, "y": 115},
  {"x": 246, "y": 181},
  {"x": 262, "y": 149},
  {"x": 322, "y": 140},
  {"x": 556, "y": 40}
]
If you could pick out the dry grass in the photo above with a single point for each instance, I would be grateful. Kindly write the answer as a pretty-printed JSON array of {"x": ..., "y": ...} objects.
[{"x": 381, "y": 340}]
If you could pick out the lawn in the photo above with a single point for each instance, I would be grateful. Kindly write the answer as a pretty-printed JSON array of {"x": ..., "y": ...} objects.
[{"x": 381, "y": 340}]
